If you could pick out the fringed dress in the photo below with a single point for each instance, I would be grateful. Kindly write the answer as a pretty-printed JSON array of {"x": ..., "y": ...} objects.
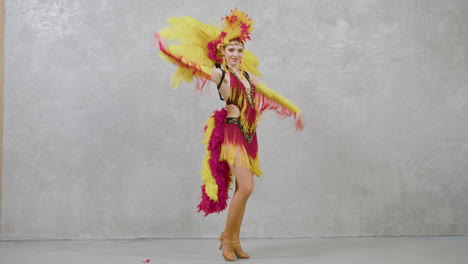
[{"x": 240, "y": 146}]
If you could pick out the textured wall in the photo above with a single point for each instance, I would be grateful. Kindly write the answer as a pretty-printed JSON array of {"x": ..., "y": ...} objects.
[
  {"x": 2, "y": 30},
  {"x": 96, "y": 144}
]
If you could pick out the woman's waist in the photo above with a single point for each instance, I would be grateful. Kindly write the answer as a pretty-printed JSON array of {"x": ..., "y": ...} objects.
[
  {"x": 232, "y": 111},
  {"x": 243, "y": 124}
]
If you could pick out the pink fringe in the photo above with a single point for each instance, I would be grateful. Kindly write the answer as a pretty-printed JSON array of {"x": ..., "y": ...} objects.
[
  {"x": 219, "y": 169},
  {"x": 264, "y": 103}
]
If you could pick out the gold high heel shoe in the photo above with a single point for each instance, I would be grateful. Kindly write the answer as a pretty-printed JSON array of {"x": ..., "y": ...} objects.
[
  {"x": 229, "y": 246},
  {"x": 239, "y": 252}
]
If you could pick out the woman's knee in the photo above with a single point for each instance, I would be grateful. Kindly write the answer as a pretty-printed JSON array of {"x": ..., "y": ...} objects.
[
  {"x": 244, "y": 181},
  {"x": 245, "y": 189}
]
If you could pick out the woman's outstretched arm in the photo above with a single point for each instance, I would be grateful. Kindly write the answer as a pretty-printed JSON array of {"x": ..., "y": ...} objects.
[{"x": 267, "y": 99}]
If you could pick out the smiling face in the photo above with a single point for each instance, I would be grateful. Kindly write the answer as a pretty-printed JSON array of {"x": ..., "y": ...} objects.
[{"x": 233, "y": 53}]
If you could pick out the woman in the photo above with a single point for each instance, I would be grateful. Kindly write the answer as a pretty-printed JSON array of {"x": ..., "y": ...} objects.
[{"x": 211, "y": 54}]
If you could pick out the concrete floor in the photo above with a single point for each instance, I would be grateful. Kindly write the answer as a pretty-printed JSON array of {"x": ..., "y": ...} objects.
[{"x": 362, "y": 250}]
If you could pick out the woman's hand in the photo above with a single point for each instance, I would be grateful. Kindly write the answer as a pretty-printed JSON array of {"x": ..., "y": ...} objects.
[{"x": 298, "y": 121}]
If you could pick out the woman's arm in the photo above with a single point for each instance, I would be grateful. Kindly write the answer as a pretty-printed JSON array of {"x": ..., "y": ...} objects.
[
  {"x": 216, "y": 74},
  {"x": 267, "y": 99}
]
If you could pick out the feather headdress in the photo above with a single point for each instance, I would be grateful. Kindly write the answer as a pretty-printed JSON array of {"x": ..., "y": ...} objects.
[
  {"x": 238, "y": 26},
  {"x": 199, "y": 46}
]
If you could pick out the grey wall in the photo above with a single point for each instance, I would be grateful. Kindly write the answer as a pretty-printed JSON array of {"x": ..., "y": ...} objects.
[{"x": 96, "y": 144}]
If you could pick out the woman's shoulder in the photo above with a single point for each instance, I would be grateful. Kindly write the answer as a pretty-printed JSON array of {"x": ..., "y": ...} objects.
[
  {"x": 216, "y": 74},
  {"x": 254, "y": 79}
]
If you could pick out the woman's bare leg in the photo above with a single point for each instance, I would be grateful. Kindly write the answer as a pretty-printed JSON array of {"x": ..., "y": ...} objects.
[
  {"x": 241, "y": 212},
  {"x": 244, "y": 187}
]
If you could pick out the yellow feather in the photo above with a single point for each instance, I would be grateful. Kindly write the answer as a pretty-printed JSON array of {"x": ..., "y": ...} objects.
[{"x": 209, "y": 181}]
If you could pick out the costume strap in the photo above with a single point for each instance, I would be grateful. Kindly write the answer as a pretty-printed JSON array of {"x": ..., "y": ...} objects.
[
  {"x": 222, "y": 79},
  {"x": 246, "y": 74}
]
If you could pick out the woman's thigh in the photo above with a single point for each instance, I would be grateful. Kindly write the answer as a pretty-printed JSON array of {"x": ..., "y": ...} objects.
[{"x": 244, "y": 178}]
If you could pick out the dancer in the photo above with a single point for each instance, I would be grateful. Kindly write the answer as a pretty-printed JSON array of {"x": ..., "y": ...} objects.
[{"x": 206, "y": 53}]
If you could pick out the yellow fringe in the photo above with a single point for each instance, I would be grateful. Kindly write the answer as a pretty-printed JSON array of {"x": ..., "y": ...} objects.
[{"x": 229, "y": 153}]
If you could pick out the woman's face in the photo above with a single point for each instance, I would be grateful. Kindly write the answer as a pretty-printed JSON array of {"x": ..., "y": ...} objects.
[{"x": 233, "y": 54}]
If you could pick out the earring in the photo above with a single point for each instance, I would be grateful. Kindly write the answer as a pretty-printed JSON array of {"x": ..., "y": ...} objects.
[{"x": 224, "y": 64}]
